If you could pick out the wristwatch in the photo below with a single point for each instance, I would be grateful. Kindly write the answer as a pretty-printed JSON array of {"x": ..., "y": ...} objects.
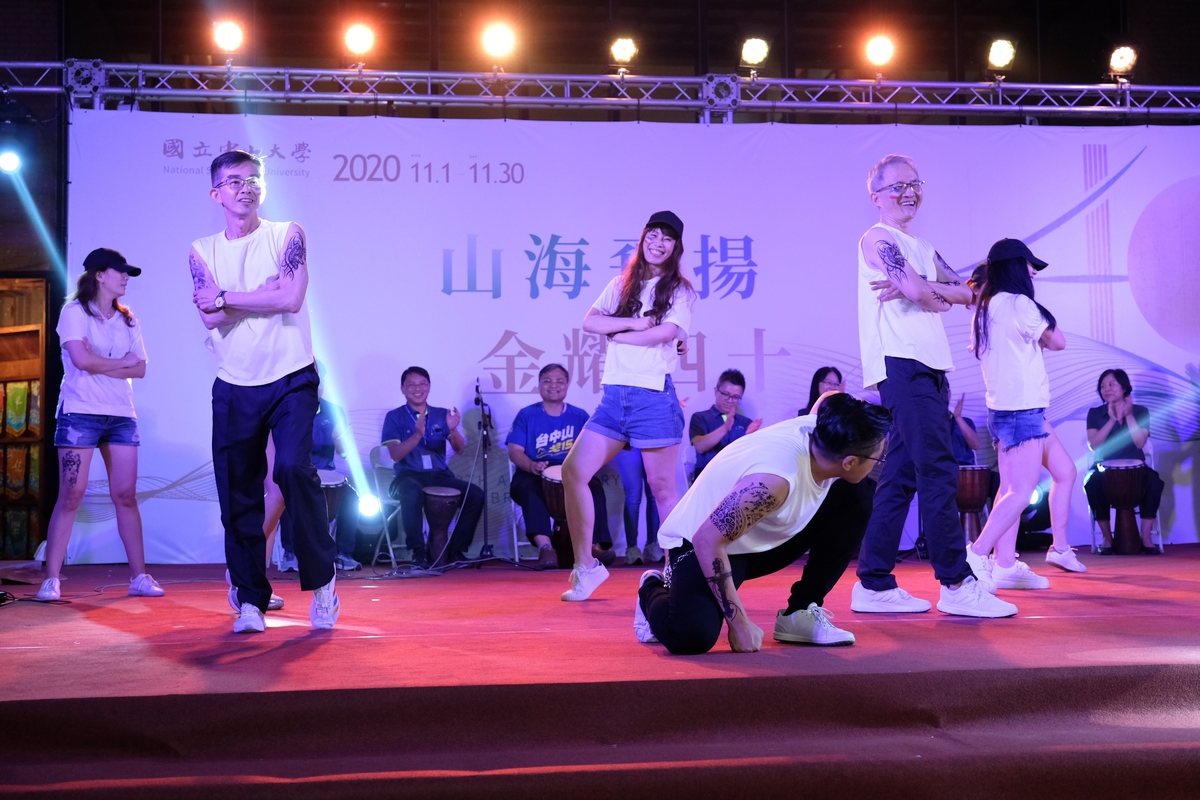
[{"x": 220, "y": 301}]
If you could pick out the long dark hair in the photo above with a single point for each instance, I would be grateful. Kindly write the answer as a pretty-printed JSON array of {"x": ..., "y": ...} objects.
[
  {"x": 639, "y": 270},
  {"x": 86, "y": 292},
  {"x": 814, "y": 391},
  {"x": 1006, "y": 275}
]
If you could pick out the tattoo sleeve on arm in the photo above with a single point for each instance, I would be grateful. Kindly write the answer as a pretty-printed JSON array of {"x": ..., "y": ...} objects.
[
  {"x": 893, "y": 261},
  {"x": 728, "y": 609},
  {"x": 952, "y": 278},
  {"x": 70, "y": 468},
  {"x": 294, "y": 257},
  {"x": 939, "y": 298},
  {"x": 742, "y": 509},
  {"x": 197, "y": 268}
]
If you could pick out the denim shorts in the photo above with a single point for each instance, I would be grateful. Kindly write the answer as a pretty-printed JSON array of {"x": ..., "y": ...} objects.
[
  {"x": 89, "y": 430},
  {"x": 645, "y": 418},
  {"x": 1012, "y": 428}
]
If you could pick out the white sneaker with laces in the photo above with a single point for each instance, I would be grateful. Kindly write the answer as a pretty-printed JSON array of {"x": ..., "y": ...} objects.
[
  {"x": 641, "y": 625},
  {"x": 652, "y": 553},
  {"x": 346, "y": 563},
  {"x": 584, "y": 581},
  {"x": 51, "y": 590},
  {"x": 249, "y": 620},
  {"x": 810, "y": 626},
  {"x": 632, "y": 556},
  {"x": 1018, "y": 576},
  {"x": 893, "y": 601},
  {"x": 145, "y": 586},
  {"x": 274, "y": 604},
  {"x": 982, "y": 567},
  {"x": 1066, "y": 561},
  {"x": 326, "y": 607},
  {"x": 970, "y": 600}
]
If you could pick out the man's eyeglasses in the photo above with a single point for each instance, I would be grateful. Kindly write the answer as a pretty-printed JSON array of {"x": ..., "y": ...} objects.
[
  {"x": 734, "y": 397},
  {"x": 902, "y": 187},
  {"x": 254, "y": 184},
  {"x": 881, "y": 459},
  {"x": 412, "y": 387},
  {"x": 553, "y": 382}
]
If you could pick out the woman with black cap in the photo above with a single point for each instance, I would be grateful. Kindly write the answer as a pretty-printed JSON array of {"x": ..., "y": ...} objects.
[
  {"x": 644, "y": 311},
  {"x": 1009, "y": 332},
  {"x": 102, "y": 349}
]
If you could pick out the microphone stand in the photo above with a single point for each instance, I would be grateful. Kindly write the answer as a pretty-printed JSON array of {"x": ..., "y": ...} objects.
[{"x": 485, "y": 425}]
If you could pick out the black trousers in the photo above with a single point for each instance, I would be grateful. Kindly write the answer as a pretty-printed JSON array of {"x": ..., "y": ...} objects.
[
  {"x": 685, "y": 616},
  {"x": 919, "y": 460},
  {"x": 346, "y": 532},
  {"x": 408, "y": 488},
  {"x": 526, "y": 491},
  {"x": 243, "y": 416},
  {"x": 1152, "y": 490}
]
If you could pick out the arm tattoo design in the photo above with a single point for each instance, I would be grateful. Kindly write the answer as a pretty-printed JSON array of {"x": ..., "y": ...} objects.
[
  {"x": 951, "y": 275},
  {"x": 718, "y": 585},
  {"x": 742, "y": 509},
  {"x": 893, "y": 261},
  {"x": 939, "y": 298},
  {"x": 71, "y": 462},
  {"x": 197, "y": 272},
  {"x": 294, "y": 257}
]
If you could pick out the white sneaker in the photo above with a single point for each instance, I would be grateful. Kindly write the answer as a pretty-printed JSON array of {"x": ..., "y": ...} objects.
[
  {"x": 288, "y": 562},
  {"x": 982, "y": 567},
  {"x": 810, "y": 626},
  {"x": 274, "y": 604},
  {"x": 325, "y": 606},
  {"x": 652, "y": 553},
  {"x": 893, "y": 601},
  {"x": 970, "y": 600},
  {"x": 1018, "y": 576},
  {"x": 249, "y": 620},
  {"x": 632, "y": 556},
  {"x": 584, "y": 581},
  {"x": 346, "y": 563},
  {"x": 50, "y": 591},
  {"x": 145, "y": 586},
  {"x": 1066, "y": 560},
  {"x": 641, "y": 625}
]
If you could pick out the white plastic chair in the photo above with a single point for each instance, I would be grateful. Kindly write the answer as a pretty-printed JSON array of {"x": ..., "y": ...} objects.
[{"x": 1155, "y": 528}]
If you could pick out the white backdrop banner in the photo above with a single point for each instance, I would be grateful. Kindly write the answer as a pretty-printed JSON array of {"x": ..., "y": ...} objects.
[{"x": 474, "y": 248}]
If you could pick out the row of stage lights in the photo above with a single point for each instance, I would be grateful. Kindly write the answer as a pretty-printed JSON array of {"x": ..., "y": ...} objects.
[{"x": 500, "y": 40}]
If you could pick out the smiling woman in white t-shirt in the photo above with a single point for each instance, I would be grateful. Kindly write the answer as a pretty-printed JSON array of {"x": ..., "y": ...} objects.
[
  {"x": 642, "y": 312},
  {"x": 102, "y": 349},
  {"x": 1009, "y": 332}
]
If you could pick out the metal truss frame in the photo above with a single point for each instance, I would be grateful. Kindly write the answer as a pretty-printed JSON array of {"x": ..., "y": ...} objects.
[{"x": 96, "y": 84}]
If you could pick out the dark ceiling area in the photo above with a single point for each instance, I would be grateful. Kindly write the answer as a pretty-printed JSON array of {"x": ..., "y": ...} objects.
[{"x": 1058, "y": 41}]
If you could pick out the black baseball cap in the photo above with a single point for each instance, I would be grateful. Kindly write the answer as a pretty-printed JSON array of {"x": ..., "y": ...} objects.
[
  {"x": 1014, "y": 248},
  {"x": 103, "y": 258},
  {"x": 660, "y": 218}
]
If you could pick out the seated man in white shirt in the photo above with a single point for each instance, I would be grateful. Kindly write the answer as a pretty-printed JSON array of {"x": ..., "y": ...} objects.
[{"x": 785, "y": 500}]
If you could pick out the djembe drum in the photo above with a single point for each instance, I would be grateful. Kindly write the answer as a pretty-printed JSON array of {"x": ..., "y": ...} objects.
[
  {"x": 1125, "y": 483},
  {"x": 334, "y": 485},
  {"x": 556, "y": 504},
  {"x": 441, "y": 504},
  {"x": 973, "y": 484}
]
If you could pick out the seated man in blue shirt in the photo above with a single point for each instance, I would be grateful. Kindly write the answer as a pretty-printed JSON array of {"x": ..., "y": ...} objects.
[
  {"x": 711, "y": 430},
  {"x": 415, "y": 435},
  {"x": 542, "y": 435}
]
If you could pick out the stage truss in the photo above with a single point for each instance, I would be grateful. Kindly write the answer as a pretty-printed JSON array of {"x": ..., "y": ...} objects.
[{"x": 719, "y": 98}]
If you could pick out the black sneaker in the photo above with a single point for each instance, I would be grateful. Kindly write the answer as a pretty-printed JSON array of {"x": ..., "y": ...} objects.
[{"x": 420, "y": 559}]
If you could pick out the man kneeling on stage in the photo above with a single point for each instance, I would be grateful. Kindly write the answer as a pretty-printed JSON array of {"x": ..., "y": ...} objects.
[{"x": 763, "y": 502}]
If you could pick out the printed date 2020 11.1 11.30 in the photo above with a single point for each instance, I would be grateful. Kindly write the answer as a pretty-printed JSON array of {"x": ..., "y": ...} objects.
[{"x": 372, "y": 168}]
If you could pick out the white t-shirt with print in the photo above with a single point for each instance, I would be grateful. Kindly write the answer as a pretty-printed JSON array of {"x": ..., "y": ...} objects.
[
  {"x": 780, "y": 449},
  {"x": 87, "y": 393},
  {"x": 1014, "y": 372},
  {"x": 646, "y": 366}
]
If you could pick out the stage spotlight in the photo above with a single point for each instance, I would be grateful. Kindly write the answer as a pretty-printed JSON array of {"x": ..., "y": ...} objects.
[
  {"x": 880, "y": 51},
  {"x": 1001, "y": 54},
  {"x": 1122, "y": 61},
  {"x": 359, "y": 39},
  {"x": 369, "y": 505},
  {"x": 754, "y": 52},
  {"x": 228, "y": 36},
  {"x": 1035, "y": 497},
  {"x": 623, "y": 50},
  {"x": 10, "y": 162},
  {"x": 499, "y": 40}
]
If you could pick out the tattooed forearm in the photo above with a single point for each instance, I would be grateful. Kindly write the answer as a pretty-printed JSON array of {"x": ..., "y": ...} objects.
[
  {"x": 294, "y": 257},
  {"x": 742, "y": 509},
  {"x": 197, "y": 268},
  {"x": 718, "y": 586},
  {"x": 71, "y": 462},
  {"x": 941, "y": 300},
  {"x": 893, "y": 261},
  {"x": 952, "y": 278}
]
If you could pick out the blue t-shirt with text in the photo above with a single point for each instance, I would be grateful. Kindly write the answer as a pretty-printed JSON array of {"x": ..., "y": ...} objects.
[{"x": 547, "y": 438}]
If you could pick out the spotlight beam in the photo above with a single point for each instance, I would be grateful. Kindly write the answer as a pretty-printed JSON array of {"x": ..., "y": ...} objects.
[{"x": 39, "y": 225}]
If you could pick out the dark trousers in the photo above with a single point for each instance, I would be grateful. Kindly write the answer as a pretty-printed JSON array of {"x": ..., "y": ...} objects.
[
  {"x": 685, "y": 616},
  {"x": 346, "y": 532},
  {"x": 919, "y": 459},
  {"x": 526, "y": 491},
  {"x": 408, "y": 488},
  {"x": 1093, "y": 487},
  {"x": 242, "y": 418}
]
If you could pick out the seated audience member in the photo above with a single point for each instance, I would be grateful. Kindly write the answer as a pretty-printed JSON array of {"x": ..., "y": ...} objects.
[
  {"x": 825, "y": 379},
  {"x": 541, "y": 436},
  {"x": 632, "y": 471},
  {"x": 1119, "y": 429},
  {"x": 415, "y": 435},
  {"x": 720, "y": 425}
]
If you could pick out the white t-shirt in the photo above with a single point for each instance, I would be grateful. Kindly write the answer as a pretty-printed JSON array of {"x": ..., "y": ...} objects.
[
  {"x": 646, "y": 366},
  {"x": 262, "y": 348},
  {"x": 1014, "y": 373},
  {"x": 781, "y": 449},
  {"x": 87, "y": 393},
  {"x": 899, "y": 328}
]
